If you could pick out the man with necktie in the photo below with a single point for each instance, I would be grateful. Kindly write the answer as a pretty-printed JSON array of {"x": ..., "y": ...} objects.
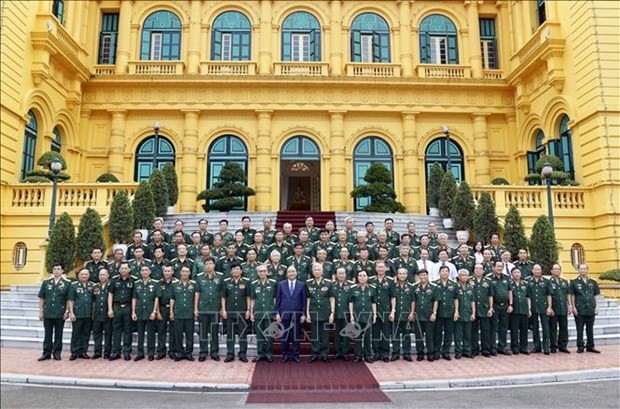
[{"x": 290, "y": 309}]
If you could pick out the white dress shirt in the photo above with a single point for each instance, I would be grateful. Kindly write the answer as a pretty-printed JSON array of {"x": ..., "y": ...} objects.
[{"x": 434, "y": 273}]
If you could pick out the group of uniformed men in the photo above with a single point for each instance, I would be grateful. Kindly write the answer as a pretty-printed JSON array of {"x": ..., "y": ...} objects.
[{"x": 371, "y": 288}]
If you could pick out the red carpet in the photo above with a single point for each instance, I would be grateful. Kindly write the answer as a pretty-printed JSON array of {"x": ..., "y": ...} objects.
[
  {"x": 298, "y": 217},
  {"x": 336, "y": 382}
]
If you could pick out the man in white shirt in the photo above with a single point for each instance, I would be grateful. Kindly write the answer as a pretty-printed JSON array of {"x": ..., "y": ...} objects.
[
  {"x": 424, "y": 263},
  {"x": 443, "y": 261},
  {"x": 508, "y": 266}
]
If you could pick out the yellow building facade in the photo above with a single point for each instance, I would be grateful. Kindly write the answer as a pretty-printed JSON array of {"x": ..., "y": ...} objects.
[{"x": 305, "y": 95}]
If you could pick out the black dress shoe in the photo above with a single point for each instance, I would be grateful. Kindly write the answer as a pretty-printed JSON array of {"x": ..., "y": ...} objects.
[
  {"x": 593, "y": 350},
  {"x": 270, "y": 359},
  {"x": 408, "y": 358},
  {"x": 177, "y": 359},
  {"x": 345, "y": 358},
  {"x": 285, "y": 359},
  {"x": 369, "y": 360},
  {"x": 420, "y": 358},
  {"x": 515, "y": 352},
  {"x": 171, "y": 355},
  {"x": 505, "y": 352},
  {"x": 554, "y": 351},
  {"x": 84, "y": 356},
  {"x": 446, "y": 357},
  {"x": 202, "y": 358},
  {"x": 243, "y": 359},
  {"x": 566, "y": 351},
  {"x": 215, "y": 358},
  {"x": 386, "y": 359},
  {"x": 470, "y": 356},
  {"x": 229, "y": 358},
  {"x": 138, "y": 358},
  {"x": 44, "y": 357},
  {"x": 457, "y": 357},
  {"x": 536, "y": 351},
  {"x": 106, "y": 355},
  {"x": 151, "y": 358},
  {"x": 73, "y": 357},
  {"x": 486, "y": 354},
  {"x": 256, "y": 359},
  {"x": 546, "y": 353},
  {"x": 190, "y": 358},
  {"x": 580, "y": 350},
  {"x": 127, "y": 357},
  {"x": 394, "y": 358},
  {"x": 96, "y": 356},
  {"x": 57, "y": 357},
  {"x": 475, "y": 353},
  {"x": 431, "y": 358},
  {"x": 296, "y": 359},
  {"x": 312, "y": 359},
  {"x": 493, "y": 353},
  {"x": 524, "y": 353},
  {"x": 114, "y": 357},
  {"x": 325, "y": 359},
  {"x": 159, "y": 357},
  {"x": 356, "y": 360}
]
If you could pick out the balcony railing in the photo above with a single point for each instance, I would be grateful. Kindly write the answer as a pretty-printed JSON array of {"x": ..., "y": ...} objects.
[
  {"x": 228, "y": 68},
  {"x": 492, "y": 74},
  {"x": 301, "y": 68},
  {"x": 106, "y": 69},
  {"x": 444, "y": 71},
  {"x": 75, "y": 198},
  {"x": 373, "y": 70},
  {"x": 156, "y": 67}
]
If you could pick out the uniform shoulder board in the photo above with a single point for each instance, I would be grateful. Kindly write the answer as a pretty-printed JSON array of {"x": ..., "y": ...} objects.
[
  {"x": 217, "y": 273},
  {"x": 350, "y": 282},
  {"x": 432, "y": 284},
  {"x": 190, "y": 260},
  {"x": 271, "y": 280},
  {"x": 228, "y": 279},
  {"x": 133, "y": 260},
  {"x": 410, "y": 285},
  {"x": 546, "y": 277},
  {"x": 173, "y": 260},
  {"x": 245, "y": 279},
  {"x": 175, "y": 280},
  {"x": 327, "y": 280},
  {"x": 489, "y": 276},
  {"x": 255, "y": 282},
  {"x": 200, "y": 274},
  {"x": 389, "y": 278},
  {"x": 75, "y": 283},
  {"x": 65, "y": 278},
  {"x": 148, "y": 260},
  {"x": 354, "y": 286},
  {"x": 192, "y": 281},
  {"x": 416, "y": 284},
  {"x": 372, "y": 286}
]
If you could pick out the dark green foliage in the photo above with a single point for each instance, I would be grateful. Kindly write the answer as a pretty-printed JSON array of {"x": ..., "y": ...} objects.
[
  {"x": 121, "y": 218},
  {"x": 434, "y": 184},
  {"x": 229, "y": 191},
  {"x": 379, "y": 190},
  {"x": 160, "y": 192},
  {"x": 447, "y": 193},
  {"x": 544, "y": 250},
  {"x": 170, "y": 175},
  {"x": 463, "y": 208},
  {"x": 500, "y": 181},
  {"x": 44, "y": 174},
  {"x": 90, "y": 234},
  {"x": 558, "y": 177},
  {"x": 611, "y": 275},
  {"x": 485, "y": 219},
  {"x": 143, "y": 206},
  {"x": 106, "y": 178},
  {"x": 47, "y": 158},
  {"x": 61, "y": 247},
  {"x": 514, "y": 232}
]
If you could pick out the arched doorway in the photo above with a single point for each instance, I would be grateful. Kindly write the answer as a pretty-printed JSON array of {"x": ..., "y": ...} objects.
[
  {"x": 368, "y": 151},
  {"x": 152, "y": 153},
  {"x": 300, "y": 170},
  {"x": 439, "y": 150},
  {"x": 226, "y": 148}
]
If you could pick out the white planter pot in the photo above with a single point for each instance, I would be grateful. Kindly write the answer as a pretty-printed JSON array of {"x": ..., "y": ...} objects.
[
  {"x": 433, "y": 211},
  {"x": 464, "y": 233},
  {"x": 145, "y": 234},
  {"x": 170, "y": 210},
  {"x": 448, "y": 223},
  {"x": 119, "y": 246}
]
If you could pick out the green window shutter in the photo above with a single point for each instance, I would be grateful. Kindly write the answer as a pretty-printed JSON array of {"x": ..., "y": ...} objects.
[
  {"x": 425, "y": 48},
  {"x": 453, "y": 57}
]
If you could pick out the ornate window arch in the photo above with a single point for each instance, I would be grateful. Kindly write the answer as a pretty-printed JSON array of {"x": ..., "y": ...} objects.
[
  {"x": 231, "y": 37},
  {"x": 161, "y": 37},
  {"x": 224, "y": 149},
  {"x": 30, "y": 145},
  {"x": 57, "y": 142},
  {"x": 438, "y": 40},
  {"x": 368, "y": 151},
  {"x": 153, "y": 153},
  {"x": 301, "y": 37},
  {"x": 370, "y": 39},
  {"x": 437, "y": 152}
]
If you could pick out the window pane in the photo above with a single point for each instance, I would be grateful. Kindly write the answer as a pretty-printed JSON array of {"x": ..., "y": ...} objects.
[{"x": 366, "y": 48}]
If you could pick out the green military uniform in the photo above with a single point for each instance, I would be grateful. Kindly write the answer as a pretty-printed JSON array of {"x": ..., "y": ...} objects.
[
  {"x": 362, "y": 300},
  {"x": 263, "y": 294},
  {"x": 262, "y": 253},
  {"x": 102, "y": 324},
  {"x": 122, "y": 293},
  {"x": 227, "y": 237},
  {"x": 401, "y": 340},
  {"x": 236, "y": 294},
  {"x": 328, "y": 269},
  {"x": 341, "y": 292},
  {"x": 409, "y": 264},
  {"x": 481, "y": 327},
  {"x": 114, "y": 269},
  {"x": 393, "y": 237},
  {"x": 381, "y": 329},
  {"x": 584, "y": 293},
  {"x": 194, "y": 251},
  {"x": 499, "y": 321},
  {"x": 82, "y": 297},
  {"x": 559, "y": 320},
  {"x": 519, "y": 316},
  {"x": 94, "y": 268},
  {"x": 433, "y": 239},
  {"x": 129, "y": 254},
  {"x": 209, "y": 289},
  {"x": 308, "y": 248},
  {"x": 418, "y": 249},
  {"x": 367, "y": 266},
  {"x": 328, "y": 246},
  {"x": 467, "y": 263},
  {"x": 348, "y": 266},
  {"x": 145, "y": 293},
  {"x": 313, "y": 233},
  {"x": 496, "y": 251},
  {"x": 268, "y": 236},
  {"x": 487, "y": 268},
  {"x": 462, "y": 330},
  {"x": 248, "y": 235},
  {"x": 278, "y": 272},
  {"x": 539, "y": 290},
  {"x": 318, "y": 295},
  {"x": 283, "y": 248},
  {"x": 206, "y": 237},
  {"x": 164, "y": 325},
  {"x": 291, "y": 239},
  {"x": 182, "y": 303},
  {"x": 303, "y": 266},
  {"x": 157, "y": 269},
  {"x": 218, "y": 252},
  {"x": 178, "y": 264},
  {"x": 150, "y": 250},
  {"x": 525, "y": 268},
  {"x": 136, "y": 266},
  {"x": 249, "y": 270},
  {"x": 223, "y": 265},
  {"x": 335, "y": 255},
  {"x": 241, "y": 249},
  {"x": 351, "y": 236},
  {"x": 446, "y": 293},
  {"x": 434, "y": 256},
  {"x": 357, "y": 249},
  {"x": 424, "y": 297}
]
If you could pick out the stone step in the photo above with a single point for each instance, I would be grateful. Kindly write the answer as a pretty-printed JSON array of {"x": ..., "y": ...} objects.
[{"x": 190, "y": 220}]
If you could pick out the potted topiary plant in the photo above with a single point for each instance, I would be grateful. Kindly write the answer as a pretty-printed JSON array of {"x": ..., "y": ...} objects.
[
  {"x": 447, "y": 193},
  {"x": 44, "y": 174},
  {"x": 172, "y": 182},
  {"x": 463, "y": 210},
  {"x": 485, "y": 218},
  {"x": 61, "y": 248},
  {"x": 143, "y": 208},
  {"x": 90, "y": 235},
  {"x": 514, "y": 232},
  {"x": 544, "y": 249},
  {"x": 107, "y": 178},
  {"x": 379, "y": 190},
  {"x": 432, "y": 189},
  {"x": 121, "y": 220},
  {"x": 229, "y": 191},
  {"x": 558, "y": 177},
  {"x": 159, "y": 185},
  {"x": 611, "y": 275}
]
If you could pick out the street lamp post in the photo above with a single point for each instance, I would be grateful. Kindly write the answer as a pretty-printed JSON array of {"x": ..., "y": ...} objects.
[
  {"x": 55, "y": 166},
  {"x": 156, "y": 128},
  {"x": 546, "y": 173},
  {"x": 446, "y": 132}
]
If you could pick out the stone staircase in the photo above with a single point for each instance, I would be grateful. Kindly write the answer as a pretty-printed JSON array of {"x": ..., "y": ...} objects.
[{"x": 21, "y": 328}]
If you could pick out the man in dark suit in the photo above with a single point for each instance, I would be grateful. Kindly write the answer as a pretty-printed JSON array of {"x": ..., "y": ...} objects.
[{"x": 290, "y": 308}]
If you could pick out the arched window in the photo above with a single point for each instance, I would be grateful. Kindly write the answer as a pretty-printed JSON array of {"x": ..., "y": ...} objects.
[
  {"x": 368, "y": 151},
  {"x": 57, "y": 142},
  {"x": 301, "y": 37},
  {"x": 30, "y": 145},
  {"x": 152, "y": 153},
  {"x": 231, "y": 37},
  {"x": 370, "y": 39},
  {"x": 300, "y": 148},
  {"x": 226, "y": 148},
  {"x": 565, "y": 147},
  {"x": 58, "y": 10},
  {"x": 161, "y": 37},
  {"x": 438, "y": 151},
  {"x": 539, "y": 150},
  {"x": 438, "y": 41}
]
